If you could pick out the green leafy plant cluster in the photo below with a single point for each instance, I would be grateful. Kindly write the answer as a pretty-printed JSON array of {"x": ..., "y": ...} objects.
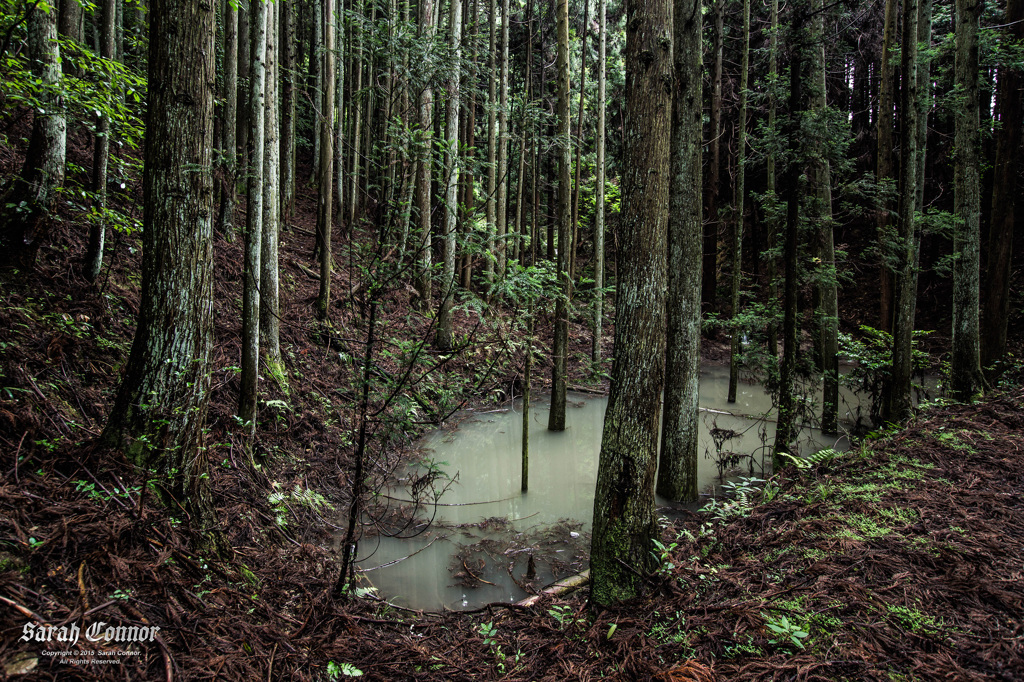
[{"x": 871, "y": 354}]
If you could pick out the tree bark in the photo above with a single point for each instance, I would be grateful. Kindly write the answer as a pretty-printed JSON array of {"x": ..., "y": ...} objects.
[
  {"x": 602, "y": 49},
  {"x": 575, "y": 220},
  {"x": 677, "y": 469},
  {"x": 25, "y": 207},
  {"x": 624, "y": 520},
  {"x": 339, "y": 126},
  {"x": 443, "y": 340},
  {"x": 101, "y": 158},
  {"x": 254, "y": 216},
  {"x": 270, "y": 287},
  {"x": 898, "y": 403},
  {"x": 965, "y": 372},
  {"x": 288, "y": 107},
  {"x": 229, "y": 146},
  {"x": 70, "y": 23},
  {"x": 501, "y": 213},
  {"x": 736, "y": 284},
  {"x": 785, "y": 429},
  {"x": 770, "y": 162},
  {"x": 325, "y": 187},
  {"x": 710, "y": 269},
  {"x": 242, "y": 129},
  {"x": 884, "y": 162},
  {"x": 492, "y": 143},
  {"x": 560, "y": 347},
  {"x": 1007, "y": 166},
  {"x": 819, "y": 175},
  {"x": 160, "y": 410},
  {"x": 423, "y": 284}
]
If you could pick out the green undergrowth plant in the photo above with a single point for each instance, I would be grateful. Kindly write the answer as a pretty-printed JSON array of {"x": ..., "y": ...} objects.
[
  {"x": 871, "y": 353},
  {"x": 786, "y": 632},
  {"x": 281, "y": 502},
  {"x": 742, "y": 499}
]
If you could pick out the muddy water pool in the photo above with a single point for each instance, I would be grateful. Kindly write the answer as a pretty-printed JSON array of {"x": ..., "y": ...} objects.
[{"x": 479, "y": 546}]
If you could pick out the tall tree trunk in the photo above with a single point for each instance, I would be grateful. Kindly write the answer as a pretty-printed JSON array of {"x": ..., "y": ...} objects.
[
  {"x": 423, "y": 284},
  {"x": 443, "y": 341},
  {"x": 316, "y": 74},
  {"x": 270, "y": 323},
  {"x": 677, "y": 470},
  {"x": 897, "y": 402},
  {"x": 501, "y": 213},
  {"x": 965, "y": 372},
  {"x": 288, "y": 107},
  {"x": 100, "y": 158},
  {"x": 325, "y": 186},
  {"x": 406, "y": 155},
  {"x": 159, "y": 414},
  {"x": 69, "y": 25},
  {"x": 595, "y": 352},
  {"x": 560, "y": 348},
  {"x": 624, "y": 520},
  {"x": 737, "y": 230},
  {"x": 710, "y": 269},
  {"x": 339, "y": 125},
  {"x": 25, "y": 207},
  {"x": 242, "y": 129},
  {"x": 356, "y": 106},
  {"x": 492, "y": 143},
  {"x": 773, "y": 221},
  {"x": 470, "y": 36},
  {"x": 820, "y": 180},
  {"x": 785, "y": 429},
  {"x": 230, "y": 95},
  {"x": 924, "y": 89},
  {"x": 1010, "y": 109},
  {"x": 254, "y": 215},
  {"x": 884, "y": 162},
  {"x": 575, "y": 220}
]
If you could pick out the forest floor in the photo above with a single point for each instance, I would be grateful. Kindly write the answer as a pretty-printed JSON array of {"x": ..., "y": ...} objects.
[{"x": 900, "y": 560}]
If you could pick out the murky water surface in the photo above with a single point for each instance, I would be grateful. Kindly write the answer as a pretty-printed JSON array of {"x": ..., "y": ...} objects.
[{"x": 478, "y": 549}]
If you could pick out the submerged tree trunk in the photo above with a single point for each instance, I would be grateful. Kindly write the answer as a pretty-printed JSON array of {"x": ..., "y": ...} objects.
[
  {"x": 773, "y": 222},
  {"x": 677, "y": 470},
  {"x": 254, "y": 216},
  {"x": 101, "y": 158},
  {"x": 1005, "y": 197},
  {"x": 159, "y": 414},
  {"x": 560, "y": 347},
  {"x": 965, "y": 372},
  {"x": 897, "y": 400},
  {"x": 624, "y": 520},
  {"x": 443, "y": 340},
  {"x": 820, "y": 177},
  {"x": 25, "y": 207},
  {"x": 785, "y": 430},
  {"x": 737, "y": 231}
]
